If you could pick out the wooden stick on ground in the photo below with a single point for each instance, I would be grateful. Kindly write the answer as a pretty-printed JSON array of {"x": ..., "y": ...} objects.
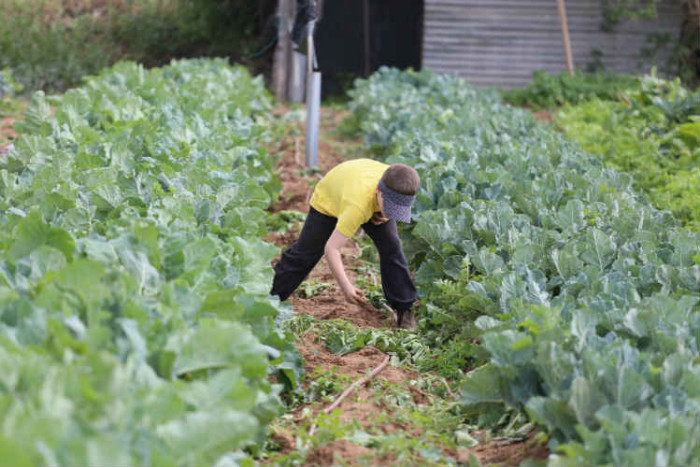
[
  {"x": 391, "y": 312},
  {"x": 340, "y": 398},
  {"x": 369, "y": 307},
  {"x": 447, "y": 387}
]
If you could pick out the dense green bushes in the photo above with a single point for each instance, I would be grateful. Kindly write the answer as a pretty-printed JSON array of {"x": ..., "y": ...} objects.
[
  {"x": 652, "y": 132},
  {"x": 52, "y": 44},
  {"x": 547, "y": 91},
  {"x": 42, "y": 53},
  {"x": 648, "y": 127}
]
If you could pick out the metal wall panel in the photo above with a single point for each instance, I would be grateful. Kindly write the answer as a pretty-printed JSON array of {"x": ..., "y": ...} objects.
[{"x": 501, "y": 42}]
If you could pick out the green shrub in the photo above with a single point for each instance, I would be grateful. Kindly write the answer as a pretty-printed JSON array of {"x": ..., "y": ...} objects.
[
  {"x": 51, "y": 44},
  {"x": 651, "y": 132},
  {"x": 547, "y": 91},
  {"x": 47, "y": 48}
]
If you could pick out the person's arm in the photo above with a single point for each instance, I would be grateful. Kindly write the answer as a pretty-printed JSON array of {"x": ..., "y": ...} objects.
[{"x": 332, "y": 252}]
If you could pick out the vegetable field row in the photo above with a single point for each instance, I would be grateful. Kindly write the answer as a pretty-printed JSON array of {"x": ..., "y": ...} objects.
[
  {"x": 135, "y": 326},
  {"x": 584, "y": 298}
]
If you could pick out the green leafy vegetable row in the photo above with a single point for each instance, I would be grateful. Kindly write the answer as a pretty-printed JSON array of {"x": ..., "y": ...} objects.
[
  {"x": 651, "y": 131},
  {"x": 135, "y": 327},
  {"x": 584, "y": 297}
]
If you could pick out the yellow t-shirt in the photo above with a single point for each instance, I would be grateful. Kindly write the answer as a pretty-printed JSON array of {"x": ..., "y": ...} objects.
[{"x": 348, "y": 192}]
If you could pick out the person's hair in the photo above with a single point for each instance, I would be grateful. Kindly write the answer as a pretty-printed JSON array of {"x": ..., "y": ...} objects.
[{"x": 402, "y": 179}]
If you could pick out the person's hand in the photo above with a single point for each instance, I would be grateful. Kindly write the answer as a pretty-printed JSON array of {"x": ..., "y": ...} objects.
[
  {"x": 378, "y": 218},
  {"x": 354, "y": 295}
]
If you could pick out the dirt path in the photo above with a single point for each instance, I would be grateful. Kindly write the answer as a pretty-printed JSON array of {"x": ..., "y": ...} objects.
[
  {"x": 360, "y": 408},
  {"x": 375, "y": 408},
  {"x": 328, "y": 304}
]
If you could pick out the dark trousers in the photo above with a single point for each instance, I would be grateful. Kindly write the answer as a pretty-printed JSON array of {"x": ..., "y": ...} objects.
[{"x": 297, "y": 261}]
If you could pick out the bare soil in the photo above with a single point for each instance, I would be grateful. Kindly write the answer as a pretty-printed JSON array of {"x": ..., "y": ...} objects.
[
  {"x": 363, "y": 406},
  {"x": 340, "y": 451},
  {"x": 544, "y": 116},
  {"x": 506, "y": 453}
]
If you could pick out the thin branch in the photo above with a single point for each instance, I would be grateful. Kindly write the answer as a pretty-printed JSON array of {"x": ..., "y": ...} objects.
[
  {"x": 391, "y": 311},
  {"x": 447, "y": 386},
  {"x": 354, "y": 385}
]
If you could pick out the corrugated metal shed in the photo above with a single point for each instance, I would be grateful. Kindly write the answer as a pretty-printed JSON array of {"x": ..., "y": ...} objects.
[{"x": 501, "y": 42}]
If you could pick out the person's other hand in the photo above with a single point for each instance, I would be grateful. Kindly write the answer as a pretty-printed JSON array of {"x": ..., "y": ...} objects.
[{"x": 354, "y": 296}]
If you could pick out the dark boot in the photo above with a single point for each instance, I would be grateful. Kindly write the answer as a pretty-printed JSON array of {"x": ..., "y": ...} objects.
[{"x": 406, "y": 320}]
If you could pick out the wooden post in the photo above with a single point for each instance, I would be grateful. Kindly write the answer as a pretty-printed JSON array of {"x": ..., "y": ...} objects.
[
  {"x": 282, "y": 62},
  {"x": 565, "y": 35}
]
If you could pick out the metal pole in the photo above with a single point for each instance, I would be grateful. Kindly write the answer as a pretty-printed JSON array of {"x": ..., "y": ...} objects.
[
  {"x": 565, "y": 36},
  {"x": 313, "y": 101},
  {"x": 297, "y": 79},
  {"x": 310, "y": 47}
]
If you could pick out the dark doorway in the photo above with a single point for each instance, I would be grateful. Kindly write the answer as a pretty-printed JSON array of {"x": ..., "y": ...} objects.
[{"x": 356, "y": 37}]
